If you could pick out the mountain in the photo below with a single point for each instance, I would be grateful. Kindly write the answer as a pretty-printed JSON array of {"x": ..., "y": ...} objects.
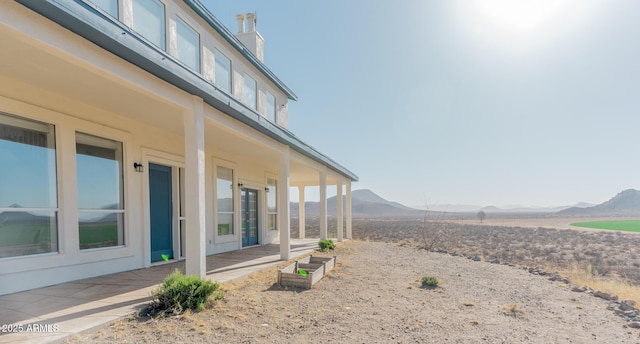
[
  {"x": 364, "y": 203},
  {"x": 625, "y": 203},
  {"x": 468, "y": 208},
  {"x": 451, "y": 208},
  {"x": 528, "y": 209}
]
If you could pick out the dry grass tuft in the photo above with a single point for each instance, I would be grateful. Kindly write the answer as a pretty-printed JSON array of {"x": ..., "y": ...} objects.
[
  {"x": 511, "y": 310},
  {"x": 469, "y": 304},
  {"x": 585, "y": 277}
]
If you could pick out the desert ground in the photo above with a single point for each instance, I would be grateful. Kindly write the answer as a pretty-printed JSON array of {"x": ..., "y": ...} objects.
[{"x": 374, "y": 294}]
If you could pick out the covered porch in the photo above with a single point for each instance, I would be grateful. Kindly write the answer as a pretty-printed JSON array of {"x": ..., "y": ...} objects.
[
  {"x": 158, "y": 115},
  {"x": 83, "y": 305}
]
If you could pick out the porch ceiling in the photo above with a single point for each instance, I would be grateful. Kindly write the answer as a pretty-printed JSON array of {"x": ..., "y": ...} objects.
[{"x": 44, "y": 69}]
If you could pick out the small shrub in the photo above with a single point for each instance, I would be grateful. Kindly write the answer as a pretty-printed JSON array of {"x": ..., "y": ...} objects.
[
  {"x": 429, "y": 282},
  {"x": 179, "y": 293},
  {"x": 326, "y": 245}
]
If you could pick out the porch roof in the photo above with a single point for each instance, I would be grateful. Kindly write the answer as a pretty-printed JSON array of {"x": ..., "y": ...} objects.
[{"x": 115, "y": 37}]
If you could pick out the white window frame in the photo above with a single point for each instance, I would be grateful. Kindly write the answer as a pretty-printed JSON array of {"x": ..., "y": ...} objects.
[
  {"x": 98, "y": 3},
  {"x": 253, "y": 105},
  {"x": 37, "y": 124},
  {"x": 216, "y": 54},
  {"x": 122, "y": 229},
  {"x": 236, "y": 196},
  {"x": 163, "y": 29},
  {"x": 198, "y": 63},
  {"x": 268, "y": 212},
  {"x": 274, "y": 107}
]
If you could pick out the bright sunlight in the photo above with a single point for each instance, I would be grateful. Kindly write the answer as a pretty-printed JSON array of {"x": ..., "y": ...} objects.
[{"x": 522, "y": 15}]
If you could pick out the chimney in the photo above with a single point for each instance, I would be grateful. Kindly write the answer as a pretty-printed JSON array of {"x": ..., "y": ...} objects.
[
  {"x": 251, "y": 21},
  {"x": 250, "y": 38},
  {"x": 240, "y": 20}
]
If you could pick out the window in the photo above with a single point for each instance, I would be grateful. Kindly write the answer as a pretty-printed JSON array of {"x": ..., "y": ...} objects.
[
  {"x": 28, "y": 188},
  {"x": 148, "y": 20},
  {"x": 224, "y": 191},
  {"x": 188, "y": 45},
  {"x": 271, "y": 107},
  {"x": 109, "y": 6},
  {"x": 100, "y": 191},
  {"x": 223, "y": 71},
  {"x": 272, "y": 205},
  {"x": 250, "y": 97}
]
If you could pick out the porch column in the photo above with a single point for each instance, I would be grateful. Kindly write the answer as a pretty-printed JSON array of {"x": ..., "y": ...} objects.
[
  {"x": 348, "y": 206},
  {"x": 284, "y": 213},
  {"x": 301, "y": 210},
  {"x": 194, "y": 189},
  {"x": 339, "y": 217},
  {"x": 323, "y": 204}
]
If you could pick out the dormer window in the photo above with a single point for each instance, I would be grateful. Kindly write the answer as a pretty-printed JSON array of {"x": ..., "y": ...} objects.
[
  {"x": 250, "y": 94},
  {"x": 188, "y": 45},
  {"x": 222, "y": 71},
  {"x": 271, "y": 107},
  {"x": 148, "y": 20},
  {"x": 109, "y": 6}
]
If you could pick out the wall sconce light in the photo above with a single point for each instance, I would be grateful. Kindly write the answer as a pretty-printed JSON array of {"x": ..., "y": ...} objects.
[
  {"x": 266, "y": 189},
  {"x": 240, "y": 185},
  {"x": 138, "y": 167}
]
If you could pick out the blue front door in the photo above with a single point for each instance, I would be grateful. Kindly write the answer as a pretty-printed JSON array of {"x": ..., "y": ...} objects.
[
  {"x": 161, "y": 211},
  {"x": 249, "y": 202}
]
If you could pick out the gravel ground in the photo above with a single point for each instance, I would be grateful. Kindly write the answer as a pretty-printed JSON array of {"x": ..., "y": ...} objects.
[{"x": 374, "y": 296}]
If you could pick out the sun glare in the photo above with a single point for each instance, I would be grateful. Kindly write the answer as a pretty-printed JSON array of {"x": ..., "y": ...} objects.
[{"x": 521, "y": 15}]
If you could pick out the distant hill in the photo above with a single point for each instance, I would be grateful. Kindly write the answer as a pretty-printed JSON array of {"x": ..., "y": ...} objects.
[
  {"x": 364, "y": 203},
  {"x": 625, "y": 203},
  {"x": 525, "y": 209}
]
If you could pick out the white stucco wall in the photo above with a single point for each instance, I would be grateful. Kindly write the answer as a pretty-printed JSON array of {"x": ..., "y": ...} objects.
[{"x": 146, "y": 137}]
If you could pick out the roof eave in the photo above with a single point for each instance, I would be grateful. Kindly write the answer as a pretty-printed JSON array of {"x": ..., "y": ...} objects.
[{"x": 91, "y": 24}]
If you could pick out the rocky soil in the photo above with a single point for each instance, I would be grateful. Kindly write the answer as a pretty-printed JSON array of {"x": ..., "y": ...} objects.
[{"x": 374, "y": 295}]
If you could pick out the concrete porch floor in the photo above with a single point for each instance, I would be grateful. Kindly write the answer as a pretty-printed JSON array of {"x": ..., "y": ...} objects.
[{"x": 87, "y": 304}]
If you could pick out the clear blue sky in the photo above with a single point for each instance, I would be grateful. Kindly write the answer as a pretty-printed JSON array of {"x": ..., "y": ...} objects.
[{"x": 465, "y": 102}]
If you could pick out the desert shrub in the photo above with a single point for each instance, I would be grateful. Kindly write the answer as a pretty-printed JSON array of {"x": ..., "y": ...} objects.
[
  {"x": 429, "y": 282},
  {"x": 179, "y": 293},
  {"x": 326, "y": 245}
]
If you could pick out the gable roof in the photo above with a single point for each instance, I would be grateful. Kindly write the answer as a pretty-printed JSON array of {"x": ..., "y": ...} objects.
[{"x": 92, "y": 24}]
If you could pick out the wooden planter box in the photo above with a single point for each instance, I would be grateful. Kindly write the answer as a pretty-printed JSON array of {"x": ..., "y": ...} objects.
[
  {"x": 291, "y": 277},
  {"x": 328, "y": 262},
  {"x": 315, "y": 267}
]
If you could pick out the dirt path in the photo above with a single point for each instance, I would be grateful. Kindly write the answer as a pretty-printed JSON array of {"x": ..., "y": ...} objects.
[{"x": 374, "y": 296}]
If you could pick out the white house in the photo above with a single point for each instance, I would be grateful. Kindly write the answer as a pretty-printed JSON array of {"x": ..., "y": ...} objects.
[{"x": 136, "y": 131}]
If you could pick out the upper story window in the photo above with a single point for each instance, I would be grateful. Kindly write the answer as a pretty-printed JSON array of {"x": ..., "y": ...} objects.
[
  {"x": 109, "y": 6},
  {"x": 148, "y": 20},
  {"x": 188, "y": 45},
  {"x": 250, "y": 94},
  {"x": 271, "y": 107},
  {"x": 28, "y": 196},
  {"x": 223, "y": 71}
]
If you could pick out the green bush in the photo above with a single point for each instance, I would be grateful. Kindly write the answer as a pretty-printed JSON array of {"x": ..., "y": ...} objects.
[
  {"x": 429, "y": 282},
  {"x": 179, "y": 293},
  {"x": 326, "y": 245}
]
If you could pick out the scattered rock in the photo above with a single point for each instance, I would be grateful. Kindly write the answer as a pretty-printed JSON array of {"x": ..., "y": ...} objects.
[
  {"x": 476, "y": 258},
  {"x": 578, "y": 289},
  {"x": 494, "y": 261},
  {"x": 634, "y": 324},
  {"x": 602, "y": 295},
  {"x": 626, "y": 305}
]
